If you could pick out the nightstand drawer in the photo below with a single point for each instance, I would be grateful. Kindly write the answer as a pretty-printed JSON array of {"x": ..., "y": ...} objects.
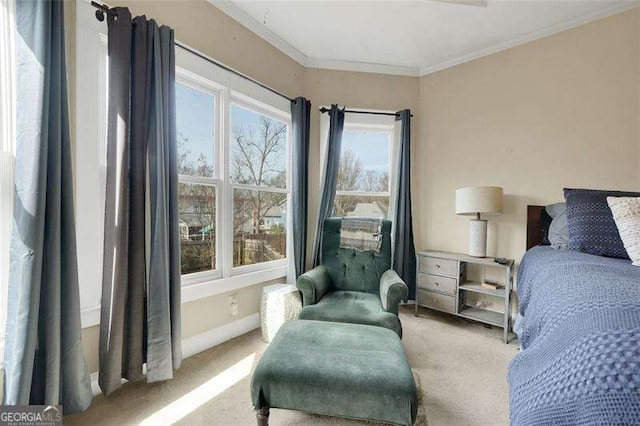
[
  {"x": 433, "y": 265},
  {"x": 437, "y": 301},
  {"x": 437, "y": 283}
]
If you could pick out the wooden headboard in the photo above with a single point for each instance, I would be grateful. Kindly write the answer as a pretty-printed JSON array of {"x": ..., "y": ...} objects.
[{"x": 535, "y": 234}]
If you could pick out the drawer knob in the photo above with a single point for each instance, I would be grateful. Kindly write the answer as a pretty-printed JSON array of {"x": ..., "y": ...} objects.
[
  {"x": 435, "y": 301},
  {"x": 437, "y": 266},
  {"x": 437, "y": 284}
]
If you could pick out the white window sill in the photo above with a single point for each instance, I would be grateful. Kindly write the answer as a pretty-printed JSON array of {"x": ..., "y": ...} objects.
[
  {"x": 200, "y": 290},
  {"x": 222, "y": 285}
]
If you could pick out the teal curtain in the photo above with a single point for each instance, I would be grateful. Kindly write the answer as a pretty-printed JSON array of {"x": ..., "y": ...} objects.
[
  {"x": 334, "y": 144},
  {"x": 300, "y": 120},
  {"x": 44, "y": 362},
  {"x": 140, "y": 309},
  {"x": 404, "y": 252}
]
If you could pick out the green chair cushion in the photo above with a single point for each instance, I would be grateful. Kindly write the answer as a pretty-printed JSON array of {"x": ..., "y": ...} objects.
[
  {"x": 337, "y": 369},
  {"x": 352, "y": 307}
]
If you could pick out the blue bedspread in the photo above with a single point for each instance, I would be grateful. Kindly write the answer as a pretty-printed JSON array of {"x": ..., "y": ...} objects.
[{"x": 580, "y": 335}]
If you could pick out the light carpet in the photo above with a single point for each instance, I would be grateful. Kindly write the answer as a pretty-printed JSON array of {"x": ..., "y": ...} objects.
[{"x": 460, "y": 367}]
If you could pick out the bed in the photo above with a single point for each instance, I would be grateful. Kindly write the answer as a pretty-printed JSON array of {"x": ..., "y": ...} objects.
[{"x": 579, "y": 328}]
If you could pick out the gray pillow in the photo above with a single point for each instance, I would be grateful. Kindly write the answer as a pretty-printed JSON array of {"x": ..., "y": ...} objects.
[{"x": 559, "y": 228}]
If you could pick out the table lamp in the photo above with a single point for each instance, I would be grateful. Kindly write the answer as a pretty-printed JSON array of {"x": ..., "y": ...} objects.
[{"x": 474, "y": 201}]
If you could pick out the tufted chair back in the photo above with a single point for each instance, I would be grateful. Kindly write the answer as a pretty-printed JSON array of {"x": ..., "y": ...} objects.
[{"x": 349, "y": 269}]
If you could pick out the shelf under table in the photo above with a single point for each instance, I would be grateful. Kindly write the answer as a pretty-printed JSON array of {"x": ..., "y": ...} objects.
[
  {"x": 476, "y": 287},
  {"x": 482, "y": 315}
]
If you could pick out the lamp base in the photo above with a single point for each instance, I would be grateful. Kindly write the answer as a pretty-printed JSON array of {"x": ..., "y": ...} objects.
[{"x": 478, "y": 238}]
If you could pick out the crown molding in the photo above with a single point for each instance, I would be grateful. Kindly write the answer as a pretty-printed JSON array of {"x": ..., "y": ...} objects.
[
  {"x": 334, "y": 64},
  {"x": 535, "y": 35},
  {"x": 294, "y": 53},
  {"x": 261, "y": 30}
]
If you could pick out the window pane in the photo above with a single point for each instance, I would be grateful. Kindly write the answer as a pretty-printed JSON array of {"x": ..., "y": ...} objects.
[
  {"x": 258, "y": 149},
  {"x": 197, "y": 205},
  {"x": 361, "y": 206},
  {"x": 195, "y": 127},
  {"x": 259, "y": 226},
  {"x": 364, "y": 162}
]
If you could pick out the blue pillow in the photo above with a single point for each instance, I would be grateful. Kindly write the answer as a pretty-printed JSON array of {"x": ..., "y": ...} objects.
[{"x": 591, "y": 226}]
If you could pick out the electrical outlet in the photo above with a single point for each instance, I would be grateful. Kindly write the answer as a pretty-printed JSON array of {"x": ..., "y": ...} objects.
[{"x": 233, "y": 304}]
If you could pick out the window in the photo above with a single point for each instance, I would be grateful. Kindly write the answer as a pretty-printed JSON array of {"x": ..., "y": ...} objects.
[
  {"x": 259, "y": 173},
  {"x": 198, "y": 183},
  {"x": 233, "y": 180},
  {"x": 363, "y": 174}
]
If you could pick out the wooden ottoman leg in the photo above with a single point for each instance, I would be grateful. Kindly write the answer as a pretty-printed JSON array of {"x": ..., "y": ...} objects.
[{"x": 262, "y": 415}]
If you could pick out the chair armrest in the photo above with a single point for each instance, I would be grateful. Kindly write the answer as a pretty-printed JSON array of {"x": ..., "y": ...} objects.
[
  {"x": 313, "y": 285},
  {"x": 392, "y": 291}
]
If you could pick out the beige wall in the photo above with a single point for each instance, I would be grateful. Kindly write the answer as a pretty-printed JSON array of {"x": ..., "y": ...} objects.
[
  {"x": 558, "y": 112},
  {"x": 204, "y": 27}
]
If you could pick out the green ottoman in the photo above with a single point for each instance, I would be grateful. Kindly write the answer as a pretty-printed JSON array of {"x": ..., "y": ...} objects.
[{"x": 337, "y": 369}]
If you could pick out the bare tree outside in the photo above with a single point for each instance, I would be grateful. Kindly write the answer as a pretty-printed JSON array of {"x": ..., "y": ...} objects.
[
  {"x": 257, "y": 155},
  {"x": 352, "y": 176},
  {"x": 259, "y": 161},
  {"x": 258, "y": 171}
]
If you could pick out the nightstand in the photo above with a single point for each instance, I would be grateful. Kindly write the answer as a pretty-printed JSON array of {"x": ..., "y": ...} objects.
[{"x": 442, "y": 284}]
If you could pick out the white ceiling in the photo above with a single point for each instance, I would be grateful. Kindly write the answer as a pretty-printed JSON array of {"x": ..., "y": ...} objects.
[{"x": 407, "y": 37}]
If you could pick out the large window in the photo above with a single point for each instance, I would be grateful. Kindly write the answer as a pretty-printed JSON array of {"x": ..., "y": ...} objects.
[
  {"x": 363, "y": 174},
  {"x": 233, "y": 183}
]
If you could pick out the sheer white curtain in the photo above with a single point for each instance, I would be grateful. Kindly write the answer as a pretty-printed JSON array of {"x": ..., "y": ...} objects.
[{"x": 7, "y": 155}]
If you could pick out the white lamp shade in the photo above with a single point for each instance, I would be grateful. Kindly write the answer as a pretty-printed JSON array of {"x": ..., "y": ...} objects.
[{"x": 479, "y": 199}]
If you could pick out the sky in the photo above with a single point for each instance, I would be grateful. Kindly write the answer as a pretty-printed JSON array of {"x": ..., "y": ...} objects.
[
  {"x": 372, "y": 149},
  {"x": 195, "y": 121}
]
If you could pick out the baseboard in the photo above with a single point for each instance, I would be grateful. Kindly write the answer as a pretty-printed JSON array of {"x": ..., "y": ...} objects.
[
  {"x": 219, "y": 335},
  {"x": 204, "y": 341}
]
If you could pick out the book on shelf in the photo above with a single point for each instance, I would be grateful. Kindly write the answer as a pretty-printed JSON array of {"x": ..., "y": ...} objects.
[{"x": 491, "y": 285}]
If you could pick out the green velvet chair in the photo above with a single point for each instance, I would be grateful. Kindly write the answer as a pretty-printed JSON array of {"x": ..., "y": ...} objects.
[{"x": 351, "y": 286}]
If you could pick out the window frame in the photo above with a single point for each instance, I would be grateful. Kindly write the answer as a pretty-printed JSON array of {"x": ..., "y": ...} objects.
[
  {"x": 380, "y": 128},
  {"x": 225, "y": 97},
  {"x": 254, "y": 105},
  {"x": 196, "y": 82}
]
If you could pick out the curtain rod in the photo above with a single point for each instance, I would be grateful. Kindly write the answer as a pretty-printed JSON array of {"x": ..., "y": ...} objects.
[
  {"x": 102, "y": 9},
  {"x": 350, "y": 111}
]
